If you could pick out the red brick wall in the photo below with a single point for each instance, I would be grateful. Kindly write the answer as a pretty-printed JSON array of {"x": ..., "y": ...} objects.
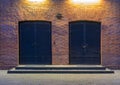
[{"x": 13, "y": 11}]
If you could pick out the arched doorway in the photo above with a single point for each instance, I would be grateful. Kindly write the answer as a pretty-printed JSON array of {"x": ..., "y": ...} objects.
[
  {"x": 84, "y": 42},
  {"x": 35, "y": 42}
]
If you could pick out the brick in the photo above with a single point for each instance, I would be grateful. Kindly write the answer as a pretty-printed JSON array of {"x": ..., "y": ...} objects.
[{"x": 13, "y": 11}]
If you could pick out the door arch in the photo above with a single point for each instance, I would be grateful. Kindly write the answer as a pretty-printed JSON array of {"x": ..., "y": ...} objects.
[
  {"x": 35, "y": 42},
  {"x": 84, "y": 42}
]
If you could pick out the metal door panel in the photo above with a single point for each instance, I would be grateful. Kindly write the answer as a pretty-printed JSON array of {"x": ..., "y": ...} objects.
[
  {"x": 35, "y": 42},
  {"x": 84, "y": 42},
  {"x": 43, "y": 39},
  {"x": 27, "y": 51}
]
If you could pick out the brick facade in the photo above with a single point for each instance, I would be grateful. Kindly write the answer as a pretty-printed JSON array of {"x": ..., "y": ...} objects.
[{"x": 12, "y": 11}]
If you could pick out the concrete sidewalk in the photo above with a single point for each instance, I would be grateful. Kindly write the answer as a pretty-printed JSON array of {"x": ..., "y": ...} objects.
[{"x": 59, "y": 79}]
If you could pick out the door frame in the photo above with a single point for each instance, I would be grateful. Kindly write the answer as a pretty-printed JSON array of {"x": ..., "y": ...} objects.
[
  {"x": 18, "y": 60},
  {"x": 100, "y": 37}
]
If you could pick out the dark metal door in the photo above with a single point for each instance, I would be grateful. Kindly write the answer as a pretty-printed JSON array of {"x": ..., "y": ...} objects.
[
  {"x": 35, "y": 42},
  {"x": 85, "y": 42}
]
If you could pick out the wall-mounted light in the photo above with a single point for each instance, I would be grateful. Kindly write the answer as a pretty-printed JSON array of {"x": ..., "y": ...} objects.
[
  {"x": 86, "y": 1},
  {"x": 59, "y": 16},
  {"x": 36, "y": 0}
]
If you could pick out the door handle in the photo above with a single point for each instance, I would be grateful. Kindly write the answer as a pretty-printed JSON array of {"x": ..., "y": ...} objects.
[{"x": 84, "y": 46}]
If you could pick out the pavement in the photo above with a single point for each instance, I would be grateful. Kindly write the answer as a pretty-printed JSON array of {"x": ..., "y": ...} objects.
[{"x": 59, "y": 79}]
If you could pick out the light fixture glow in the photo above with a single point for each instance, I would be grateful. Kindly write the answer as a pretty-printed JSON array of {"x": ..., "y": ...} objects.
[
  {"x": 85, "y": 1},
  {"x": 36, "y": 0}
]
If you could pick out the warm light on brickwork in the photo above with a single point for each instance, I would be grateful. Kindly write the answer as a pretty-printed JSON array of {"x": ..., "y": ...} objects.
[
  {"x": 86, "y": 1},
  {"x": 36, "y": 0},
  {"x": 105, "y": 11}
]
